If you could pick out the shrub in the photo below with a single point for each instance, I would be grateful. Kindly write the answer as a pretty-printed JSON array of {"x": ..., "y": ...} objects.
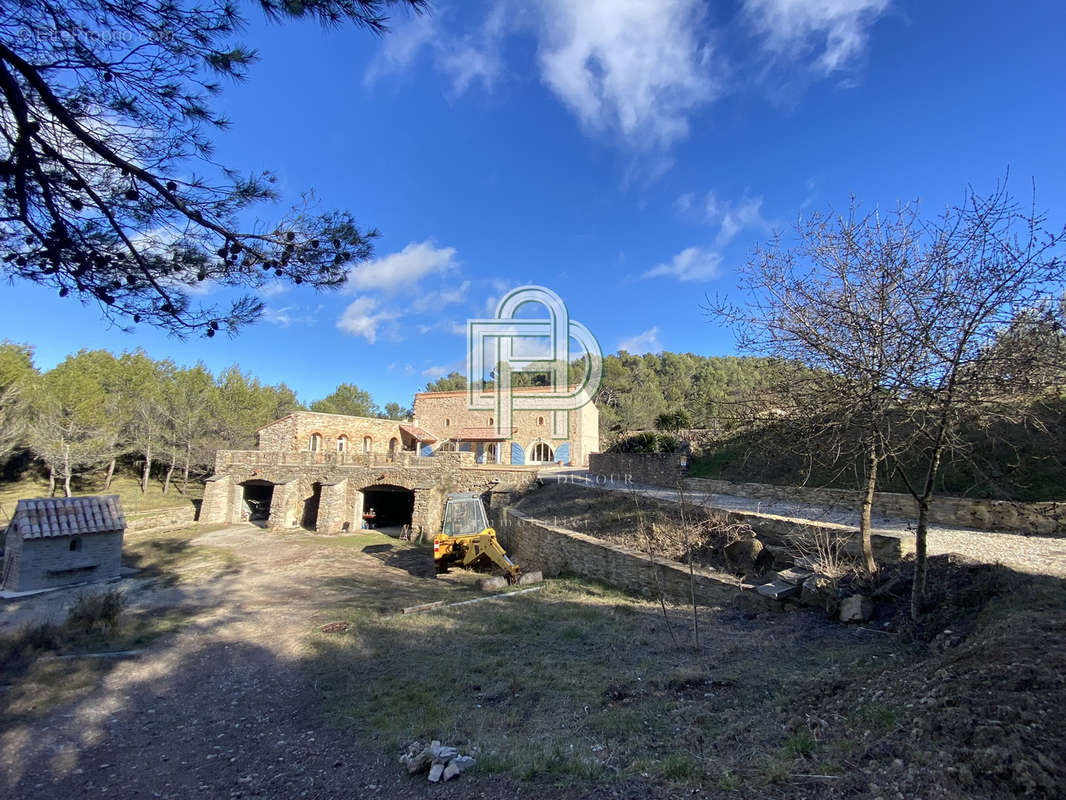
[{"x": 96, "y": 612}]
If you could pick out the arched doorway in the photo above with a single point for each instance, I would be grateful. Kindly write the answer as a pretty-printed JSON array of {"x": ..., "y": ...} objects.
[
  {"x": 256, "y": 499},
  {"x": 388, "y": 508},
  {"x": 540, "y": 453}
]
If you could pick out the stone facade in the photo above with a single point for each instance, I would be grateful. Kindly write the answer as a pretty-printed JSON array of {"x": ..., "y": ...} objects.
[
  {"x": 336, "y": 433},
  {"x": 338, "y": 491},
  {"x": 534, "y": 438}
]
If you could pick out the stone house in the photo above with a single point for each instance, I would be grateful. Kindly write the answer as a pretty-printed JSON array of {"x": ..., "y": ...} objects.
[
  {"x": 537, "y": 437},
  {"x": 58, "y": 541}
]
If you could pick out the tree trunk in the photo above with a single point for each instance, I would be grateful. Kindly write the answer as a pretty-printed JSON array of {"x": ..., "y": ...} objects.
[
  {"x": 185, "y": 476},
  {"x": 66, "y": 470},
  {"x": 170, "y": 471},
  {"x": 51, "y": 482},
  {"x": 867, "y": 509},
  {"x": 110, "y": 474},
  {"x": 920, "y": 561},
  {"x": 920, "y": 535},
  {"x": 147, "y": 469}
]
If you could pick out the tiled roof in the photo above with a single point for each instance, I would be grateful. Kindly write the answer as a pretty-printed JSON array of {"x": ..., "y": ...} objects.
[
  {"x": 419, "y": 434},
  {"x": 480, "y": 435},
  {"x": 68, "y": 516}
]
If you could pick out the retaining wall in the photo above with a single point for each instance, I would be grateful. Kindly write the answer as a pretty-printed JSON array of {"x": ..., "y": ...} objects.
[
  {"x": 654, "y": 469},
  {"x": 534, "y": 544},
  {"x": 1045, "y": 519},
  {"x": 163, "y": 518}
]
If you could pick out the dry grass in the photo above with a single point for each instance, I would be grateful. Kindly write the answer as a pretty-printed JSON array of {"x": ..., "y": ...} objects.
[
  {"x": 579, "y": 682},
  {"x": 128, "y": 489}
]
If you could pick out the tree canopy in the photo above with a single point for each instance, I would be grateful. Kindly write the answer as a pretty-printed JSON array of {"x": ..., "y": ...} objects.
[{"x": 110, "y": 193}]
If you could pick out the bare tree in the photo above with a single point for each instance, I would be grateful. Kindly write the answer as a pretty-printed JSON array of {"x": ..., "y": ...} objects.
[
  {"x": 830, "y": 308},
  {"x": 985, "y": 265}
]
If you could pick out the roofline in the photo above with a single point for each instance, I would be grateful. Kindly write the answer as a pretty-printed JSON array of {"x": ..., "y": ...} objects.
[
  {"x": 517, "y": 390},
  {"x": 327, "y": 414}
]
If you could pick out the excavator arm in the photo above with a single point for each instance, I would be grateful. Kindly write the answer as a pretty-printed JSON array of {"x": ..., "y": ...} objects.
[{"x": 467, "y": 540}]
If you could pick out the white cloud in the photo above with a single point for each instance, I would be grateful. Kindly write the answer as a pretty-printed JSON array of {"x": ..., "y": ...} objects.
[
  {"x": 632, "y": 66},
  {"x": 732, "y": 220},
  {"x": 272, "y": 289},
  {"x": 402, "y": 46},
  {"x": 402, "y": 270},
  {"x": 836, "y": 30},
  {"x": 691, "y": 264},
  {"x": 289, "y": 315},
  {"x": 362, "y": 318},
  {"x": 644, "y": 342},
  {"x": 467, "y": 59},
  {"x": 431, "y": 301}
]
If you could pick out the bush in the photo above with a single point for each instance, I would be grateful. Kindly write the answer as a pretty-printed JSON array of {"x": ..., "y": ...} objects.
[
  {"x": 646, "y": 442},
  {"x": 17, "y": 650},
  {"x": 96, "y": 612}
]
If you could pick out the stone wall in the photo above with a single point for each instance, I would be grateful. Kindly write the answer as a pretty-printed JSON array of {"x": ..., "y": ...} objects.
[
  {"x": 48, "y": 561},
  {"x": 1045, "y": 519},
  {"x": 654, "y": 469},
  {"x": 138, "y": 521},
  {"x": 534, "y": 544},
  {"x": 342, "y": 485}
]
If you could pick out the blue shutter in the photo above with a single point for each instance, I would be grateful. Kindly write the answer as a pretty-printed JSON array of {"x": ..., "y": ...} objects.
[
  {"x": 518, "y": 455},
  {"x": 562, "y": 452},
  {"x": 427, "y": 450},
  {"x": 465, "y": 447}
]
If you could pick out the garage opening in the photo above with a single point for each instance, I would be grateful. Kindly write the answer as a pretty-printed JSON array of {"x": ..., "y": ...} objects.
[
  {"x": 309, "y": 518},
  {"x": 257, "y": 498},
  {"x": 388, "y": 508}
]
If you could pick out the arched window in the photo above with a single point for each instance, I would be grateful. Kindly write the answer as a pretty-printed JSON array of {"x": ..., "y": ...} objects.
[
  {"x": 447, "y": 422},
  {"x": 541, "y": 453},
  {"x": 491, "y": 422},
  {"x": 342, "y": 444},
  {"x": 314, "y": 444},
  {"x": 540, "y": 420},
  {"x": 367, "y": 442},
  {"x": 75, "y": 544},
  {"x": 393, "y": 445},
  {"x": 447, "y": 447}
]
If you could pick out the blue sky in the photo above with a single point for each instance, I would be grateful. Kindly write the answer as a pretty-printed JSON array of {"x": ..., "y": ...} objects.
[{"x": 625, "y": 153}]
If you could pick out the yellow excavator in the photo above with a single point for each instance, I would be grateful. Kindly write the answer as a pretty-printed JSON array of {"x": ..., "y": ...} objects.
[{"x": 466, "y": 540}]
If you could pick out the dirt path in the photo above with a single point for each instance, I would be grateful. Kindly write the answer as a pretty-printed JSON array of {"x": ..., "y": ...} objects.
[
  {"x": 1036, "y": 555},
  {"x": 221, "y": 708}
]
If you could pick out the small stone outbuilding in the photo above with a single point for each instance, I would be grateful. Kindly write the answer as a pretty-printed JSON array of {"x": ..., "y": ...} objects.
[{"x": 59, "y": 541}]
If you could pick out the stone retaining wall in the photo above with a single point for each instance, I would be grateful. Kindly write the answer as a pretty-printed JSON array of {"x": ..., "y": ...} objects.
[
  {"x": 654, "y": 469},
  {"x": 163, "y": 518},
  {"x": 1045, "y": 519},
  {"x": 533, "y": 544}
]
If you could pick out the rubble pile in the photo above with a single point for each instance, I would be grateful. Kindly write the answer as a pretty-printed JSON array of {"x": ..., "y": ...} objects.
[{"x": 443, "y": 762}]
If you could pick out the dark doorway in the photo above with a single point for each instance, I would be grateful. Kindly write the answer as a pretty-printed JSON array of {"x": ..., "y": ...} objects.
[
  {"x": 387, "y": 506},
  {"x": 309, "y": 518},
  {"x": 257, "y": 498}
]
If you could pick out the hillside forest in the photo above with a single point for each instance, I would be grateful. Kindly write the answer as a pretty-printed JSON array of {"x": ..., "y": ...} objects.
[{"x": 97, "y": 413}]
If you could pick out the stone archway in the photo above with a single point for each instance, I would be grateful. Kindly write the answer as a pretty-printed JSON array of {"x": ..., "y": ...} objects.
[
  {"x": 388, "y": 507},
  {"x": 256, "y": 498}
]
